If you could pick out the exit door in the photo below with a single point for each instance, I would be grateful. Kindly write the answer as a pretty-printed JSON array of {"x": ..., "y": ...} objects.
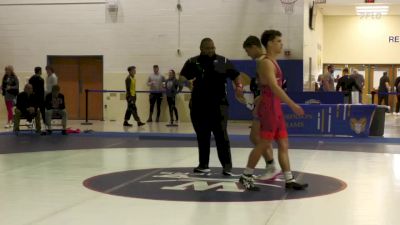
[{"x": 75, "y": 74}]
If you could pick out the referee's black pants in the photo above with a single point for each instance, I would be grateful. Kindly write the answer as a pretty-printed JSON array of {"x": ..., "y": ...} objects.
[{"x": 215, "y": 121}]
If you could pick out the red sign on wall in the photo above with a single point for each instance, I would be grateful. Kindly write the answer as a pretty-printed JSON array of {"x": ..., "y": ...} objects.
[{"x": 369, "y": 1}]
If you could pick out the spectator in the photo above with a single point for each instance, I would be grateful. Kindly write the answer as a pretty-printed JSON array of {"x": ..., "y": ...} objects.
[
  {"x": 397, "y": 86},
  {"x": 383, "y": 89},
  {"x": 27, "y": 108},
  {"x": 37, "y": 83},
  {"x": 172, "y": 87},
  {"x": 346, "y": 84},
  {"x": 51, "y": 79},
  {"x": 130, "y": 85},
  {"x": 155, "y": 82},
  {"x": 10, "y": 90},
  {"x": 55, "y": 105},
  {"x": 327, "y": 80},
  {"x": 359, "y": 81}
]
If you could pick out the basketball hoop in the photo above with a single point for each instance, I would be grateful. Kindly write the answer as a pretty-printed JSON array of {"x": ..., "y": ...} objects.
[{"x": 288, "y": 5}]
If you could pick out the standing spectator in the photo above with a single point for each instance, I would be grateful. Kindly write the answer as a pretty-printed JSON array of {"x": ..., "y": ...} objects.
[
  {"x": 10, "y": 90},
  {"x": 155, "y": 82},
  {"x": 346, "y": 84},
  {"x": 327, "y": 80},
  {"x": 209, "y": 103},
  {"x": 359, "y": 81},
  {"x": 55, "y": 104},
  {"x": 383, "y": 89},
  {"x": 397, "y": 86},
  {"x": 37, "y": 83},
  {"x": 172, "y": 87},
  {"x": 130, "y": 85},
  {"x": 27, "y": 107},
  {"x": 51, "y": 79}
]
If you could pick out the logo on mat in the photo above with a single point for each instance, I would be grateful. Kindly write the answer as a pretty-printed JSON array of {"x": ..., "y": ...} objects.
[{"x": 180, "y": 184}]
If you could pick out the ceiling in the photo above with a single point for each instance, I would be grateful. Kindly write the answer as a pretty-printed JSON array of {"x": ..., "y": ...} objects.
[{"x": 347, "y": 7}]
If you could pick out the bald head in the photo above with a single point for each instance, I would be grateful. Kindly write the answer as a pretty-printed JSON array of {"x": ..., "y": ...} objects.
[{"x": 207, "y": 47}]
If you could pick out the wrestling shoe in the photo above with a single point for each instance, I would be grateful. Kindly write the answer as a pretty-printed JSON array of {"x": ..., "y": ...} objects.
[
  {"x": 270, "y": 173},
  {"x": 292, "y": 184},
  {"x": 248, "y": 182}
]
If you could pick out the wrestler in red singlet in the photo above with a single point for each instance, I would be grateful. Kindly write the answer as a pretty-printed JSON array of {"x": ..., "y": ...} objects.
[{"x": 272, "y": 121}]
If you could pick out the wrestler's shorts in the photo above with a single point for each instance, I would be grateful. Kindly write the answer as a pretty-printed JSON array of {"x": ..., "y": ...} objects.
[{"x": 272, "y": 127}]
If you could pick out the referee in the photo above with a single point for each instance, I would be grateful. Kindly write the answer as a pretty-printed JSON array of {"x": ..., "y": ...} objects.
[{"x": 209, "y": 104}]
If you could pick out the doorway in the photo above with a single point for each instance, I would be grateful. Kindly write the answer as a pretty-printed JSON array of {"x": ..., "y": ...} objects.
[{"x": 75, "y": 74}]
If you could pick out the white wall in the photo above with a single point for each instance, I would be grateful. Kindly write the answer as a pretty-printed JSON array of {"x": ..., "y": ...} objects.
[
  {"x": 142, "y": 33},
  {"x": 313, "y": 46},
  {"x": 356, "y": 40}
]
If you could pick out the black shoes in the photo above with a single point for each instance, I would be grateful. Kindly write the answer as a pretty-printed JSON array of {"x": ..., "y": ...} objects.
[
  {"x": 126, "y": 124},
  {"x": 64, "y": 132},
  {"x": 227, "y": 172},
  {"x": 200, "y": 169},
  {"x": 295, "y": 186},
  {"x": 139, "y": 123}
]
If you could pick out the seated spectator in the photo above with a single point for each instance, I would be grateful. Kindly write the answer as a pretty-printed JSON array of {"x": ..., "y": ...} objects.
[
  {"x": 55, "y": 105},
  {"x": 28, "y": 108}
]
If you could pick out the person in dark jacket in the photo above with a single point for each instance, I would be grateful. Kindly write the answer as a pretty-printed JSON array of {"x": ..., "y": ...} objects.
[
  {"x": 383, "y": 89},
  {"x": 37, "y": 83},
  {"x": 130, "y": 85},
  {"x": 346, "y": 84},
  {"x": 55, "y": 105},
  {"x": 172, "y": 87},
  {"x": 27, "y": 107},
  {"x": 209, "y": 103},
  {"x": 397, "y": 86}
]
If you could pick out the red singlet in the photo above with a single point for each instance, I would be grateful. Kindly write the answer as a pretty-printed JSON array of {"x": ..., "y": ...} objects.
[{"x": 272, "y": 120}]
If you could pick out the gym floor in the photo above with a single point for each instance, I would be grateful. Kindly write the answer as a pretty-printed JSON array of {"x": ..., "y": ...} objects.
[{"x": 111, "y": 175}]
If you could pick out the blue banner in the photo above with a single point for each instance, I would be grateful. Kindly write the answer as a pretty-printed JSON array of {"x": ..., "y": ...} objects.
[
  {"x": 311, "y": 97},
  {"x": 330, "y": 119}
]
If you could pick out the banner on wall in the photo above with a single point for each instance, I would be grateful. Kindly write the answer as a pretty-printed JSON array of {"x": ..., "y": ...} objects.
[
  {"x": 311, "y": 97},
  {"x": 331, "y": 119}
]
